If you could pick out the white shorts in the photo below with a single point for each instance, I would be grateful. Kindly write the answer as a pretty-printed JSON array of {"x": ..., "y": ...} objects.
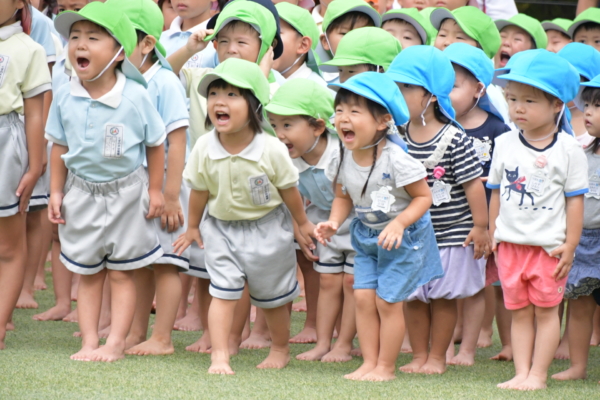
[
  {"x": 14, "y": 162},
  {"x": 106, "y": 226}
]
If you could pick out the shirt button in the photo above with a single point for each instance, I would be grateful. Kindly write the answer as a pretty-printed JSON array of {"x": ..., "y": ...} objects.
[
  {"x": 416, "y": 248},
  {"x": 233, "y": 159},
  {"x": 235, "y": 181},
  {"x": 91, "y": 125},
  {"x": 315, "y": 170},
  {"x": 93, "y": 105},
  {"x": 323, "y": 188}
]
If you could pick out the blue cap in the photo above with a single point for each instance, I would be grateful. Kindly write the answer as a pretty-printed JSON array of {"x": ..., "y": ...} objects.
[
  {"x": 585, "y": 59},
  {"x": 594, "y": 83},
  {"x": 428, "y": 67},
  {"x": 380, "y": 89},
  {"x": 509, "y": 64}
]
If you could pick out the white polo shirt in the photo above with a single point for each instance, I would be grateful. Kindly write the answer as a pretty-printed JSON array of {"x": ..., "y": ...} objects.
[
  {"x": 174, "y": 38},
  {"x": 305, "y": 72}
]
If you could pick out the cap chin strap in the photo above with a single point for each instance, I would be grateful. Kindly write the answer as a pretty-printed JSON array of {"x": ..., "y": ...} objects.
[
  {"x": 313, "y": 146},
  {"x": 291, "y": 66},
  {"x": 329, "y": 44},
  {"x": 477, "y": 102},
  {"x": 426, "y": 107},
  {"x": 107, "y": 66},
  {"x": 560, "y": 115},
  {"x": 374, "y": 144},
  {"x": 143, "y": 60}
]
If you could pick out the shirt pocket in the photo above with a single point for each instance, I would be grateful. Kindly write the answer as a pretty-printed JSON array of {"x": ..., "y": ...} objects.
[{"x": 260, "y": 189}]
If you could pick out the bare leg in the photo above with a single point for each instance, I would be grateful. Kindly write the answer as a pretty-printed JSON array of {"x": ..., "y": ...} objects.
[
  {"x": 418, "y": 323},
  {"x": 443, "y": 319},
  {"x": 562, "y": 353},
  {"x": 40, "y": 276},
  {"x": 145, "y": 289},
  {"x": 186, "y": 284},
  {"x": 487, "y": 329},
  {"x": 311, "y": 290},
  {"x": 458, "y": 329},
  {"x": 75, "y": 287},
  {"x": 104, "y": 324},
  {"x": 259, "y": 336},
  {"x": 240, "y": 321},
  {"x": 203, "y": 296},
  {"x": 278, "y": 320},
  {"x": 473, "y": 312},
  {"x": 503, "y": 321},
  {"x": 220, "y": 320},
  {"x": 522, "y": 338},
  {"x": 90, "y": 300},
  {"x": 191, "y": 320},
  {"x": 342, "y": 348},
  {"x": 406, "y": 342},
  {"x": 34, "y": 241},
  {"x": 596, "y": 332},
  {"x": 368, "y": 324}
]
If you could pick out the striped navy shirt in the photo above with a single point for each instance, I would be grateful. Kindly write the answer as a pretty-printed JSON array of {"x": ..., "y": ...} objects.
[{"x": 452, "y": 221}]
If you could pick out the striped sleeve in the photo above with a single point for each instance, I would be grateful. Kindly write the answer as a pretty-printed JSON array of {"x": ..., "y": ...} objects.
[{"x": 464, "y": 159}]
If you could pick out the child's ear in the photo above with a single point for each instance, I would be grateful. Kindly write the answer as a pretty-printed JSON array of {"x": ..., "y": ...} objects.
[
  {"x": 305, "y": 45},
  {"x": 148, "y": 44},
  {"x": 324, "y": 42},
  {"x": 480, "y": 91},
  {"x": 383, "y": 122},
  {"x": 320, "y": 128},
  {"x": 558, "y": 105}
]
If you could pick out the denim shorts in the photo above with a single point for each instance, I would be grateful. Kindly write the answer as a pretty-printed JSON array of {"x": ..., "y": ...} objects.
[
  {"x": 396, "y": 273},
  {"x": 584, "y": 277}
]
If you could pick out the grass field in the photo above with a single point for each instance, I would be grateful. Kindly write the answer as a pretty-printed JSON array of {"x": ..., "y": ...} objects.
[{"x": 36, "y": 365}]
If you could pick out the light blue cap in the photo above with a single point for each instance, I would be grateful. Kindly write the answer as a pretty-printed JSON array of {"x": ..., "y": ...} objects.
[
  {"x": 506, "y": 69},
  {"x": 594, "y": 83},
  {"x": 585, "y": 59},
  {"x": 430, "y": 68}
]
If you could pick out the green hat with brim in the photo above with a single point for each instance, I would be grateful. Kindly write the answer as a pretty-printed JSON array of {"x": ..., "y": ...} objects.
[
  {"x": 242, "y": 74},
  {"x": 530, "y": 25},
  {"x": 253, "y": 14},
  {"x": 364, "y": 46},
  {"x": 558, "y": 24},
  {"x": 303, "y": 97},
  {"x": 475, "y": 23},
  {"x": 145, "y": 16},
  {"x": 110, "y": 17},
  {"x": 301, "y": 20},
  {"x": 590, "y": 15},
  {"x": 411, "y": 15}
]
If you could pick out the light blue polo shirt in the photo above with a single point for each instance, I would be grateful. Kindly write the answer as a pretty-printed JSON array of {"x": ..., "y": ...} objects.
[
  {"x": 106, "y": 137},
  {"x": 41, "y": 33},
  {"x": 59, "y": 75},
  {"x": 174, "y": 38}
]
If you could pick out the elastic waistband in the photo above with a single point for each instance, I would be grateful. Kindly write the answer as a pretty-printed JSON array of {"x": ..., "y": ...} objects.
[
  {"x": 103, "y": 188},
  {"x": 371, "y": 232},
  {"x": 595, "y": 233},
  {"x": 274, "y": 213},
  {"x": 9, "y": 119}
]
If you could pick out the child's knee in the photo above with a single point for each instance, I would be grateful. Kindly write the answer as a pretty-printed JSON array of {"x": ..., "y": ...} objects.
[
  {"x": 364, "y": 298},
  {"x": 331, "y": 282},
  {"x": 348, "y": 281}
]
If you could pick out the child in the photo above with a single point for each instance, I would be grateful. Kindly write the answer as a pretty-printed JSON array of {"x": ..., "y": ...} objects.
[
  {"x": 483, "y": 124},
  {"x": 392, "y": 234},
  {"x": 418, "y": 4},
  {"x": 583, "y": 283},
  {"x": 459, "y": 215},
  {"x": 409, "y": 26},
  {"x": 557, "y": 32},
  {"x": 342, "y": 17},
  {"x": 539, "y": 225},
  {"x": 24, "y": 80},
  {"x": 367, "y": 49},
  {"x": 168, "y": 97},
  {"x": 450, "y": 4},
  {"x": 96, "y": 166},
  {"x": 299, "y": 113},
  {"x": 519, "y": 33},
  {"x": 318, "y": 13},
  {"x": 586, "y": 28},
  {"x": 247, "y": 179},
  {"x": 169, "y": 14}
]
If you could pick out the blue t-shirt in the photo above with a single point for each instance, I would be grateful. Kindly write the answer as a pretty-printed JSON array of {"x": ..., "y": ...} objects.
[{"x": 41, "y": 33}]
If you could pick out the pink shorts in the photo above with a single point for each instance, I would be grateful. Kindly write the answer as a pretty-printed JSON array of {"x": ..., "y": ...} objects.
[{"x": 526, "y": 276}]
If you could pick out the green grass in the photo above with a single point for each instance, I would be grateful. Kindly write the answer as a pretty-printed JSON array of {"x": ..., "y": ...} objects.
[{"x": 36, "y": 365}]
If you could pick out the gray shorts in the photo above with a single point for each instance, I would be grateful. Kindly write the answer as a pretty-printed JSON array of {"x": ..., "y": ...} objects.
[
  {"x": 41, "y": 191},
  {"x": 259, "y": 252},
  {"x": 14, "y": 162},
  {"x": 106, "y": 226},
  {"x": 338, "y": 255}
]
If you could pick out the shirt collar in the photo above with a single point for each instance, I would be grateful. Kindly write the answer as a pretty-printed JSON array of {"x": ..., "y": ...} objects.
[
  {"x": 177, "y": 22},
  {"x": 111, "y": 99},
  {"x": 148, "y": 75},
  {"x": 316, "y": 15},
  {"x": 10, "y": 30},
  {"x": 302, "y": 72},
  {"x": 332, "y": 146},
  {"x": 252, "y": 152}
]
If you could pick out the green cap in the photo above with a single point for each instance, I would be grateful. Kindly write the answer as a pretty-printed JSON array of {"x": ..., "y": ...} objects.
[
  {"x": 590, "y": 15},
  {"x": 111, "y": 18},
  {"x": 558, "y": 24},
  {"x": 411, "y": 15},
  {"x": 475, "y": 23},
  {"x": 529, "y": 25},
  {"x": 259, "y": 17},
  {"x": 301, "y": 20},
  {"x": 145, "y": 16},
  {"x": 303, "y": 97},
  {"x": 337, "y": 8},
  {"x": 365, "y": 46}
]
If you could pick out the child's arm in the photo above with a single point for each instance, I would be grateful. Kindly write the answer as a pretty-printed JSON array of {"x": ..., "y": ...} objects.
[
  {"x": 58, "y": 177},
  {"x": 198, "y": 200},
  {"x": 340, "y": 209},
  {"x": 566, "y": 251},
  {"x": 475, "y": 194},
  {"x": 194, "y": 45},
  {"x": 34, "y": 132},
  {"x": 172, "y": 216},
  {"x": 156, "y": 165},
  {"x": 420, "y": 203},
  {"x": 494, "y": 212},
  {"x": 292, "y": 199}
]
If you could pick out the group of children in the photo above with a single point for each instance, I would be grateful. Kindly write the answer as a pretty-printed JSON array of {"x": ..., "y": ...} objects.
[{"x": 382, "y": 155}]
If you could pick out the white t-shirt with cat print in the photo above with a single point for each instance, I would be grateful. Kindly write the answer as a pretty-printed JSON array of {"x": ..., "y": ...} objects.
[{"x": 534, "y": 184}]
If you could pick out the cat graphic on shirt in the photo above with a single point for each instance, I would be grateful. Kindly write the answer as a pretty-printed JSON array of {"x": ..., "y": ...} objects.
[{"x": 517, "y": 184}]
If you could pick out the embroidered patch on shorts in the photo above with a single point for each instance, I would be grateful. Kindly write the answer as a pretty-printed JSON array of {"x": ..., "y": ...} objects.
[
  {"x": 3, "y": 67},
  {"x": 259, "y": 188},
  {"x": 113, "y": 140}
]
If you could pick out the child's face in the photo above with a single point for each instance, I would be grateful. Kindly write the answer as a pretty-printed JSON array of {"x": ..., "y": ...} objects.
[
  {"x": 91, "y": 48},
  {"x": 295, "y": 132},
  {"x": 449, "y": 4},
  {"x": 71, "y": 5},
  {"x": 406, "y": 34},
  {"x": 415, "y": 97},
  {"x": 588, "y": 36},
  {"x": 227, "y": 110},
  {"x": 241, "y": 41},
  {"x": 591, "y": 114},
  {"x": 356, "y": 126},
  {"x": 188, "y": 9},
  {"x": 294, "y": 45},
  {"x": 529, "y": 108},
  {"x": 349, "y": 71},
  {"x": 514, "y": 40},
  {"x": 7, "y": 11},
  {"x": 450, "y": 32},
  {"x": 465, "y": 92},
  {"x": 331, "y": 42},
  {"x": 556, "y": 40},
  {"x": 418, "y": 4},
  {"x": 169, "y": 14}
]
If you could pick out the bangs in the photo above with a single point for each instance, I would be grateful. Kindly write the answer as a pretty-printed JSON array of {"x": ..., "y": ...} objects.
[{"x": 591, "y": 95}]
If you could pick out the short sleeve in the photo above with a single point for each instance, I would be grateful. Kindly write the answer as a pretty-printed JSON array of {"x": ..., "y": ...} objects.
[
  {"x": 55, "y": 131},
  {"x": 41, "y": 33},
  {"x": 37, "y": 76},
  {"x": 171, "y": 105},
  {"x": 332, "y": 169},
  {"x": 495, "y": 175},
  {"x": 189, "y": 75},
  {"x": 577, "y": 172},
  {"x": 154, "y": 127},
  {"x": 286, "y": 174},
  {"x": 406, "y": 169},
  {"x": 192, "y": 175},
  {"x": 465, "y": 162}
]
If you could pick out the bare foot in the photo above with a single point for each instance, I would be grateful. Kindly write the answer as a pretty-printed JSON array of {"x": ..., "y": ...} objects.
[
  {"x": 39, "y": 284},
  {"x": 307, "y": 335},
  {"x": 189, "y": 323},
  {"x": 253, "y": 314},
  {"x": 504, "y": 355},
  {"x": 485, "y": 339},
  {"x": 514, "y": 382},
  {"x": 104, "y": 332},
  {"x": 463, "y": 359},
  {"x": 77, "y": 334},
  {"x": 433, "y": 366},
  {"x": 406, "y": 348},
  {"x": 360, "y": 372},
  {"x": 108, "y": 354},
  {"x": 234, "y": 346},
  {"x": 71, "y": 317},
  {"x": 56, "y": 313},
  {"x": 414, "y": 366},
  {"x": 152, "y": 347},
  {"x": 316, "y": 354},
  {"x": 255, "y": 342},
  {"x": 10, "y": 326},
  {"x": 356, "y": 352},
  {"x": 299, "y": 306},
  {"x": 595, "y": 339},
  {"x": 277, "y": 359},
  {"x": 337, "y": 355},
  {"x": 85, "y": 354},
  {"x": 26, "y": 300},
  {"x": 379, "y": 374},
  {"x": 132, "y": 341},
  {"x": 202, "y": 345},
  {"x": 532, "y": 383},
  {"x": 562, "y": 353},
  {"x": 220, "y": 368},
  {"x": 571, "y": 374}
]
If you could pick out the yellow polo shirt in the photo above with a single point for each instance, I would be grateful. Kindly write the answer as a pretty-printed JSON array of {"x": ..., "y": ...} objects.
[{"x": 242, "y": 186}]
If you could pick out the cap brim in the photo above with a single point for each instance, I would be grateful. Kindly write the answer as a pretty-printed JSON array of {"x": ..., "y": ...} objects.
[
  {"x": 528, "y": 81},
  {"x": 284, "y": 110},
  {"x": 331, "y": 66},
  {"x": 163, "y": 61},
  {"x": 486, "y": 105},
  {"x": 439, "y": 15},
  {"x": 399, "y": 77},
  {"x": 132, "y": 72},
  {"x": 422, "y": 33},
  {"x": 576, "y": 25},
  {"x": 65, "y": 21},
  {"x": 371, "y": 12},
  {"x": 551, "y": 26}
]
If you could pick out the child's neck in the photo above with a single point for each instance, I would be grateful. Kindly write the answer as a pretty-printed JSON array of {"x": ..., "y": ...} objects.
[
  {"x": 102, "y": 85},
  {"x": 189, "y": 23},
  {"x": 577, "y": 122},
  {"x": 424, "y": 133},
  {"x": 315, "y": 155},
  {"x": 540, "y": 137},
  {"x": 236, "y": 142},
  {"x": 472, "y": 119},
  {"x": 146, "y": 65},
  {"x": 11, "y": 21},
  {"x": 292, "y": 70},
  {"x": 322, "y": 10},
  {"x": 364, "y": 157}
]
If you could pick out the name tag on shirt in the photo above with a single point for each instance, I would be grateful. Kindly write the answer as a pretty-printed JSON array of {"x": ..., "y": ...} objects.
[
  {"x": 3, "y": 67},
  {"x": 113, "y": 141},
  {"x": 594, "y": 187},
  {"x": 440, "y": 192},
  {"x": 194, "y": 62},
  {"x": 537, "y": 183},
  {"x": 482, "y": 149},
  {"x": 259, "y": 188}
]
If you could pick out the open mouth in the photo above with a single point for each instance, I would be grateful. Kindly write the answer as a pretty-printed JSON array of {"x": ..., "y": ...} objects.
[
  {"x": 289, "y": 146},
  {"x": 82, "y": 62},
  {"x": 222, "y": 118},
  {"x": 348, "y": 134},
  {"x": 504, "y": 58}
]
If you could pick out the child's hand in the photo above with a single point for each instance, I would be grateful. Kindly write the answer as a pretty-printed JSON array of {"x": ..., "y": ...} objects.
[
  {"x": 567, "y": 254},
  {"x": 157, "y": 204},
  {"x": 392, "y": 233},
  {"x": 54, "y": 206},
  {"x": 481, "y": 240},
  {"x": 172, "y": 215},
  {"x": 266, "y": 64},
  {"x": 186, "y": 239},
  {"x": 325, "y": 230},
  {"x": 25, "y": 189},
  {"x": 196, "y": 42},
  {"x": 303, "y": 237}
]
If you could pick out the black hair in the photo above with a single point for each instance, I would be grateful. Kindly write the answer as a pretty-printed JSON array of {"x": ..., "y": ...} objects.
[
  {"x": 376, "y": 110},
  {"x": 140, "y": 37},
  {"x": 255, "y": 117},
  {"x": 313, "y": 122},
  {"x": 52, "y": 6},
  {"x": 352, "y": 18},
  {"x": 235, "y": 23},
  {"x": 588, "y": 26},
  {"x": 591, "y": 95}
]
